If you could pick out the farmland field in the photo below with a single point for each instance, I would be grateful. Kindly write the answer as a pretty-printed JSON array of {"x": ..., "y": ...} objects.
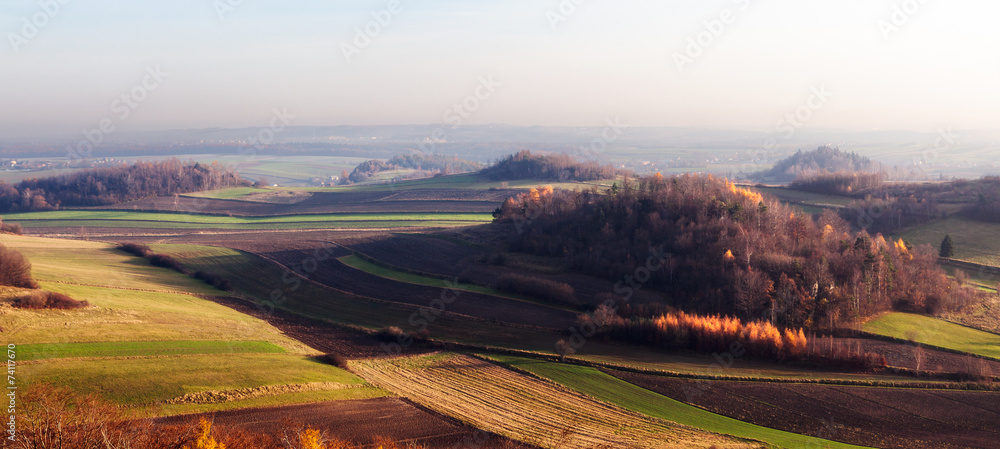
[
  {"x": 936, "y": 332},
  {"x": 878, "y": 417},
  {"x": 607, "y": 388},
  {"x": 122, "y": 219},
  {"x": 975, "y": 241},
  {"x": 142, "y": 348},
  {"x": 147, "y": 338},
  {"x": 260, "y": 280},
  {"x": 494, "y": 399}
]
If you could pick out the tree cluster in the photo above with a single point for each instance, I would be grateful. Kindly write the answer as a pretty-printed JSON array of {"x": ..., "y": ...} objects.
[
  {"x": 555, "y": 167},
  {"x": 714, "y": 248},
  {"x": 435, "y": 163},
  {"x": 103, "y": 186},
  {"x": 986, "y": 206},
  {"x": 825, "y": 159},
  {"x": 838, "y": 183}
]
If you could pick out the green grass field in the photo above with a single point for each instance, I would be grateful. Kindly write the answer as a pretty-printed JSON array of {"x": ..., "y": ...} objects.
[
  {"x": 142, "y": 347},
  {"x": 146, "y": 381},
  {"x": 43, "y": 351},
  {"x": 975, "y": 241},
  {"x": 932, "y": 331},
  {"x": 607, "y": 388},
  {"x": 128, "y": 219}
]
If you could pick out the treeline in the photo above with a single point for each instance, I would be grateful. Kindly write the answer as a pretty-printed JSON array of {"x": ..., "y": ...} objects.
[
  {"x": 554, "y": 167},
  {"x": 714, "y": 248},
  {"x": 838, "y": 183},
  {"x": 104, "y": 186},
  {"x": 987, "y": 203},
  {"x": 889, "y": 214},
  {"x": 424, "y": 164},
  {"x": 825, "y": 159}
]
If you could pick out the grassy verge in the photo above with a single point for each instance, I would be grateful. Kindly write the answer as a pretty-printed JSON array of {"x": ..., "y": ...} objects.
[
  {"x": 607, "y": 388},
  {"x": 932, "y": 331}
]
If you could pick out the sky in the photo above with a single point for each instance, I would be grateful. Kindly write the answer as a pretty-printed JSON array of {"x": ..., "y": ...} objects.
[{"x": 722, "y": 64}]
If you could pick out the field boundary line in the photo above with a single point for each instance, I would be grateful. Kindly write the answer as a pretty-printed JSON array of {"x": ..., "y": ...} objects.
[{"x": 136, "y": 289}]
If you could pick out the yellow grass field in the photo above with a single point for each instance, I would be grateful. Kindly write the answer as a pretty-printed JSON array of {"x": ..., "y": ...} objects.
[{"x": 492, "y": 398}]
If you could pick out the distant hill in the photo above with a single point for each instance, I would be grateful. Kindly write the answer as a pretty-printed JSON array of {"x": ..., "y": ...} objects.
[
  {"x": 425, "y": 165},
  {"x": 555, "y": 167},
  {"x": 823, "y": 160}
]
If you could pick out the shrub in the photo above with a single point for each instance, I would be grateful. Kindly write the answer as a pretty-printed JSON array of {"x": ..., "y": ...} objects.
[
  {"x": 136, "y": 249},
  {"x": 333, "y": 359},
  {"x": 165, "y": 261},
  {"x": 47, "y": 300},
  {"x": 537, "y": 287},
  {"x": 11, "y": 228},
  {"x": 214, "y": 280},
  {"x": 390, "y": 333},
  {"x": 15, "y": 269}
]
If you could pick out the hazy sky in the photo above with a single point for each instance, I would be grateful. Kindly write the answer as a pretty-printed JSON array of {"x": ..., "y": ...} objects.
[{"x": 232, "y": 66}]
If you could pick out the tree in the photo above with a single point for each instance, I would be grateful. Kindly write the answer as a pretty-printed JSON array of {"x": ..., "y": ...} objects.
[
  {"x": 947, "y": 247},
  {"x": 563, "y": 348}
]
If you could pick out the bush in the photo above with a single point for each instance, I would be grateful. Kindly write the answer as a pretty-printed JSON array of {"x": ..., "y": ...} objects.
[
  {"x": 537, "y": 287},
  {"x": 15, "y": 269},
  {"x": 47, "y": 300},
  {"x": 390, "y": 334},
  {"x": 214, "y": 280},
  {"x": 333, "y": 359},
  {"x": 11, "y": 228},
  {"x": 165, "y": 261},
  {"x": 136, "y": 249}
]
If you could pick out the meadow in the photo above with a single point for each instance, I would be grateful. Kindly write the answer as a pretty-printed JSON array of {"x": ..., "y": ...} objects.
[
  {"x": 975, "y": 241},
  {"x": 146, "y": 338},
  {"x": 935, "y": 332}
]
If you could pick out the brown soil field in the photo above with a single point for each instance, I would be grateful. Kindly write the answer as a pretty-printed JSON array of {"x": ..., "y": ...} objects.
[
  {"x": 333, "y": 273},
  {"x": 525, "y": 408},
  {"x": 904, "y": 356},
  {"x": 868, "y": 416},
  {"x": 358, "y": 421},
  {"x": 442, "y": 256}
]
